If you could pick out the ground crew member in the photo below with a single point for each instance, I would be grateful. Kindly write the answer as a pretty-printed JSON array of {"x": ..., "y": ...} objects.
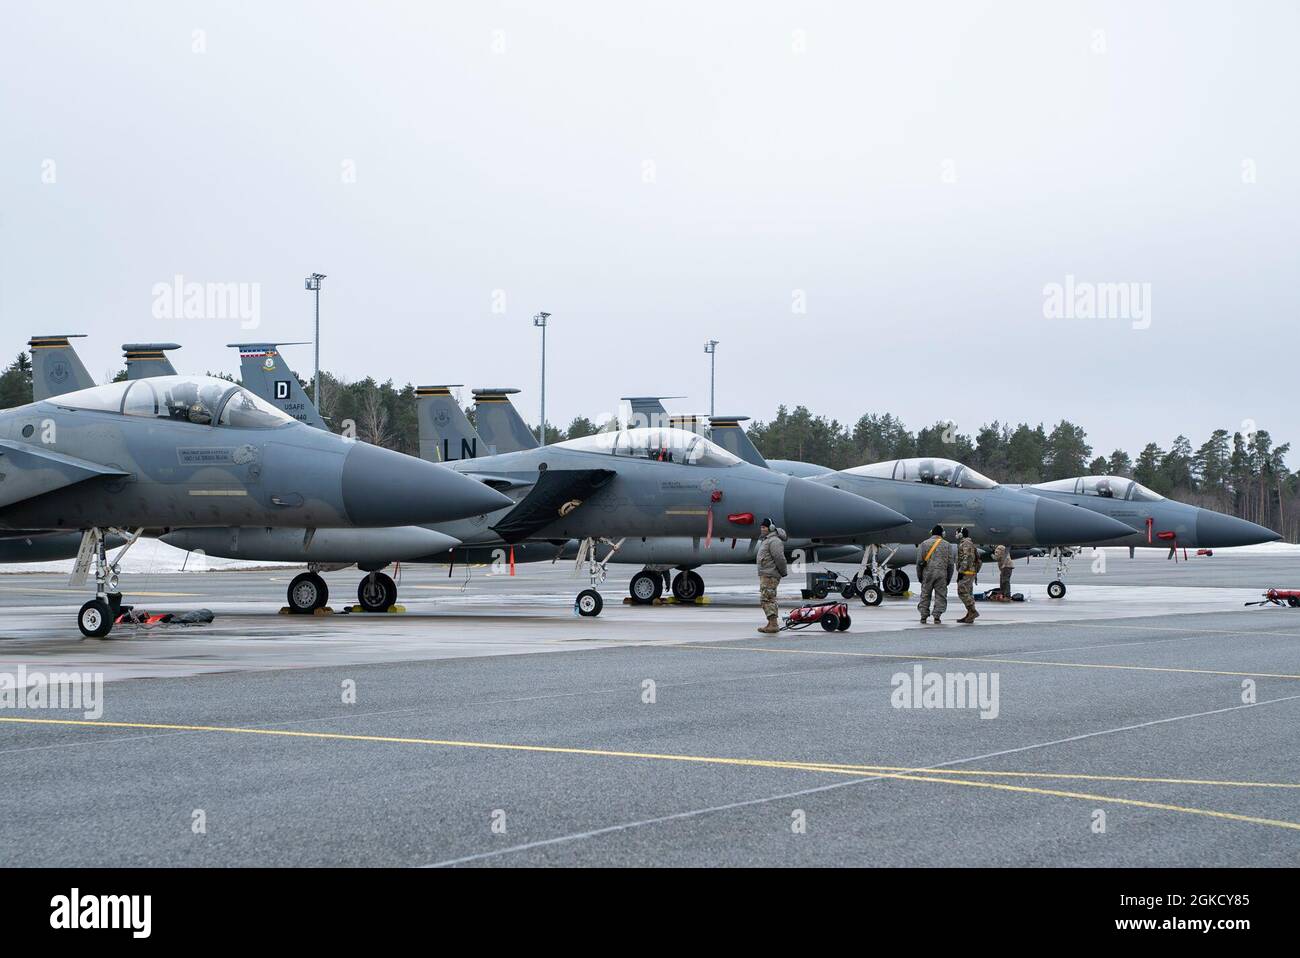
[
  {"x": 968, "y": 567},
  {"x": 933, "y": 560},
  {"x": 1006, "y": 565},
  {"x": 772, "y": 568}
]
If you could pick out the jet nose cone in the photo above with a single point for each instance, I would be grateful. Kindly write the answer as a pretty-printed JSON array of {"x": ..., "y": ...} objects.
[
  {"x": 1057, "y": 524},
  {"x": 385, "y": 488},
  {"x": 815, "y": 511},
  {"x": 1214, "y": 530}
]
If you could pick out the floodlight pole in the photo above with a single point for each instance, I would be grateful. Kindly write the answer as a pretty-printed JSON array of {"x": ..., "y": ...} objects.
[
  {"x": 711, "y": 347},
  {"x": 312, "y": 284},
  {"x": 540, "y": 320}
]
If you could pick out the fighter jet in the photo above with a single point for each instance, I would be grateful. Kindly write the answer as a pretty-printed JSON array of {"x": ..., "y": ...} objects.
[
  {"x": 657, "y": 555},
  {"x": 1154, "y": 522},
  {"x": 635, "y": 484},
  {"x": 179, "y": 451}
]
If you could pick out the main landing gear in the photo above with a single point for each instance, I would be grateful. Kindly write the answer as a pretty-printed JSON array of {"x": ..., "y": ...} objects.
[
  {"x": 308, "y": 592},
  {"x": 589, "y": 602},
  {"x": 688, "y": 586},
  {"x": 646, "y": 586},
  {"x": 96, "y": 617}
]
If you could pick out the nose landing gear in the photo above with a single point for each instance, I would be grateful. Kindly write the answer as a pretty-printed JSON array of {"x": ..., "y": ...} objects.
[
  {"x": 95, "y": 619},
  {"x": 589, "y": 603}
]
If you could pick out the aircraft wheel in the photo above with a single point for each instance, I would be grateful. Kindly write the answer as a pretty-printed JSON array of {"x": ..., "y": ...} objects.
[
  {"x": 95, "y": 619},
  {"x": 307, "y": 593},
  {"x": 1056, "y": 589},
  {"x": 831, "y": 622},
  {"x": 377, "y": 593},
  {"x": 896, "y": 582},
  {"x": 687, "y": 587},
  {"x": 588, "y": 604},
  {"x": 845, "y": 622},
  {"x": 872, "y": 595},
  {"x": 646, "y": 587}
]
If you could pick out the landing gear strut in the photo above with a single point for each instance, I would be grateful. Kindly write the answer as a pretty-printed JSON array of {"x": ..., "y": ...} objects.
[
  {"x": 872, "y": 581},
  {"x": 95, "y": 619},
  {"x": 1056, "y": 588},
  {"x": 589, "y": 603}
]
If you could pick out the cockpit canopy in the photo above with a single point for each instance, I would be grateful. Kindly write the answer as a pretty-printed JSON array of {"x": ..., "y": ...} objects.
[
  {"x": 656, "y": 445},
  {"x": 1104, "y": 487},
  {"x": 938, "y": 472},
  {"x": 203, "y": 400}
]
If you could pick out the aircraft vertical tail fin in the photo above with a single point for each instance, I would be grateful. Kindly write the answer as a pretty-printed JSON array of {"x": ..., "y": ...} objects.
[
  {"x": 647, "y": 411},
  {"x": 264, "y": 372},
  {"x": 144, "y": 360},
  {"x": 446, "y": 434},
  {"x": 56, "y": 367},
  {"x": 499, "y": 422},
  {"x": 696, "y": 424},
  {"x": 731, "y": 436}
]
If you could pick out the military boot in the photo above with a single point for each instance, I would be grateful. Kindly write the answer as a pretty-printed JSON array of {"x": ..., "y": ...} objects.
[{"x": 771, "y": 628}]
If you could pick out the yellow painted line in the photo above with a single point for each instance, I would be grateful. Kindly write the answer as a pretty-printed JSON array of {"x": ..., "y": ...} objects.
[
  {"x": 1106, "y": 799},
  {"x": 152, "y": 595},
  {"x": 934, "y": 777},
  {"x": 1069, "y": 776},
  {"x": 963, "y": 658}
]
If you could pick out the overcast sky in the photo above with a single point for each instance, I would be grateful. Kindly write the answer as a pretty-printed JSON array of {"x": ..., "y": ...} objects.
[{"x": 864, "y": 203}]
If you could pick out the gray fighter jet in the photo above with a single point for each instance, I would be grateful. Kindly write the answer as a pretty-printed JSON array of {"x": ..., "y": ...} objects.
[
  {"x": 635, "y": 484},
  {"x": 180, "y": 451},
  {"x": 1154, "y": 522}
]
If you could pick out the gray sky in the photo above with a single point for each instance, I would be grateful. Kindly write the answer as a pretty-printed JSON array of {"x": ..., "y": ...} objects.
[{"x": 656, "y": 175}]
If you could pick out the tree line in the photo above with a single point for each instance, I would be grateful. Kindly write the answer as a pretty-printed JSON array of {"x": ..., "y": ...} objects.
[{"x": 1242, "y": 474}]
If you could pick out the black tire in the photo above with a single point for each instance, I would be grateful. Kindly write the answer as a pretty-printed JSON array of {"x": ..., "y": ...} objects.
[
  {"x": 377, "y": 593},
  {"x": 845, "y": 623},
  {"x": 1293, "y": 602},
  {"x": 307, "y": 593},
  {"x": 872, "y": 596},
  {"x": 645, "y": 587},
  {"x": 588, "y": 603},
  {"x": 687, "y": 587},
  {"x": 895, "y": 582},
  {"x": 1056, "y": 589},
  {"x": 95, "y": 620},
  {"x": 849, "y": 590},
  {"x": 831, "y": 622},
  {"x": 822, "y": 591}
]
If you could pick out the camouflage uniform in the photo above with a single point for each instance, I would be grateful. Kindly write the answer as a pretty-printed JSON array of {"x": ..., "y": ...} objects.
[
  {"x": 934, "y": 576},
  {"x": 767, "y": 585},
  {"x": 1006, "y": 564},
  {"x": 968, "y": 566},
  {"x": 771, "y": 567}
]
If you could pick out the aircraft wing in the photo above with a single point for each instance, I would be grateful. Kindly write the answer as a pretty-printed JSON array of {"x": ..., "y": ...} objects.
[
  {"x": 556, "y": 493},
  {"x": 28, "y": 471}
]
